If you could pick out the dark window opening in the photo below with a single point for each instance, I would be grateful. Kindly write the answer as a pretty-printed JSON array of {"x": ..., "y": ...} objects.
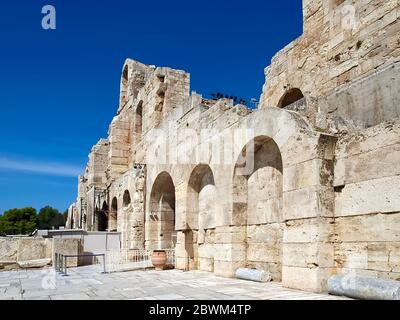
[{"x": 290, "y": 97}]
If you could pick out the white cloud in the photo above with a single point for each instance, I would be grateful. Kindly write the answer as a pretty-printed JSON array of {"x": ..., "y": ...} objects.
[{"x": 40, "y": 167}]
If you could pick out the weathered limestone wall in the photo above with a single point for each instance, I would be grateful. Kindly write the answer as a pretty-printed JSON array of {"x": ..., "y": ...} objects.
[
  {"x": 319, "y": 197},
  {"x": 119, "y": 137},
  {"x": 308, "y": 209},
  {"x": 377, "y": 93},
  {"x": 367, "y": 202},
  {"x": 97, "y": 165},
  {"x": 336, "y": 49},
  {"x": 128, "y": 192},
  {"x": 250, "y": 223}
]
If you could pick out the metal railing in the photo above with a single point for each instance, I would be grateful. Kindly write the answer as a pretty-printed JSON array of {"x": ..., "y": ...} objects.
[
  {"x": 120, "y": 260},
  {"x": 130, "y": 259},
  {"x": 116, "y": 260},
  {"x": 171, "y": 258},
  {"x": 61, "y": 261}
]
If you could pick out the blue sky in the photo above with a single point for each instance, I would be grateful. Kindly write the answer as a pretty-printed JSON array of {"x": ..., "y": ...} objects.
[{"x": 59, "y": 89}]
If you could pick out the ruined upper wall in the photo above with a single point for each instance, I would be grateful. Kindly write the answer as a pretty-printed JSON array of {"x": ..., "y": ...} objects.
[
  {"x": 133, "y": 77},
  {"x": 97, "y": 166},
  {"x": 343, "y": 41},
  {"x": 148, "y": 96}
]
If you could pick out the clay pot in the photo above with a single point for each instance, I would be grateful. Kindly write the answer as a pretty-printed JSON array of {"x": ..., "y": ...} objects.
[{"x": 159, "y": 259}]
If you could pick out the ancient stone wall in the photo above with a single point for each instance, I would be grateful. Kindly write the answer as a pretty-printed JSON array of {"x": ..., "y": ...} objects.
[
  {"x": 304, "y": 187},
  {"x": 128, "y": 193},
  {"x": 367, "y": 202},
  {"x": 342, "y": 41}
]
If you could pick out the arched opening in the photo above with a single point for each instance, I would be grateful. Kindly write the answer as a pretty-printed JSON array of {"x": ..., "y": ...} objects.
[
  {"x": 124, "y": 85},
  {"x": 291, "y": 96},
  {"x": 257, "y": 204},
  {"x": 102, "y": 217},
  {"x": 126, "y": 201},
  {"x": 200, "y": 212},
  {"x": 113, "y": 216},
  {"x": 161, "y": 223},
  {"x": 125, "y": 74},
  {"x": 139, "y": 119}
]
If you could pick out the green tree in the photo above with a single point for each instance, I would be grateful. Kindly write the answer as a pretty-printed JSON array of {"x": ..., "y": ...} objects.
[
  {"x": 65, "y": 214},
  {"x": 49, "y": 217},
  {"x": 18, "y": 221}
]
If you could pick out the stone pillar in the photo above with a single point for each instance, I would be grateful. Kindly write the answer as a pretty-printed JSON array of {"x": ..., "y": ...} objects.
[
  {"x": 308, "y": 206},
  {"x": 186, "y": 226},
  {"x": 186, "y": 253},
  {"x": 230, "y": 250}
]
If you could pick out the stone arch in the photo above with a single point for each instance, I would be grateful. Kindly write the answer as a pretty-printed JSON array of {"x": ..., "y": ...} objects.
[
  {"x": 161, "y": 222},
  {"x": 113, "y": 215},
  {"x": 126, "y": 199},
  {"x": 291, "y": 96},
  {"x": 101, "y": 217},
  {"x": 125, "y": 73},
  {"x": 124, "y": 85},
  {"x": 257, "y": 204},
  {"x": 200, "y": 218}
]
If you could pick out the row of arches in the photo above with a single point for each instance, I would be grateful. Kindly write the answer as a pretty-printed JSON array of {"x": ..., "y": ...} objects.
[
  {"x": 257, "y": 201},
  {"x": 290, "y": 97},
  {"x": 107, "y": 217}
]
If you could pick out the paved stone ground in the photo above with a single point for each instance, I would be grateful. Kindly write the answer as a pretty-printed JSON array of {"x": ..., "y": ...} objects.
[{"x": 88, "y": 283}]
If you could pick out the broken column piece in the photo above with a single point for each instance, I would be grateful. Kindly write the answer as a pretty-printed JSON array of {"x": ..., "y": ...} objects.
[
  {"x": 253, "y": 275},
  {"x": 364, "y": 288}
]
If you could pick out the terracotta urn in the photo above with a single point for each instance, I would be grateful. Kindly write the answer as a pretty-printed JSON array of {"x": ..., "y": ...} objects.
[{"x": 159, "y": 259}]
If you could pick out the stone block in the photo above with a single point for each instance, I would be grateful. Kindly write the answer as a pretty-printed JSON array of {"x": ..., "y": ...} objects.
[
  {"x": 376, "y": 164},
  {"x": 233, "y": 252},
  {"x": 235, "y": 235},
  {"x": 372, "y": 196},
  {"x": 307, "y": 279},
  {"x": 374, "y": 256},
  {"x": 308, "y": 203},
  {"x": 309, "y": 230},
  {"x": 8, "y": 249},
  {"x": 227, "y": 268},
  {"x": 206, "y": 264},
  {"x": 264, "y": 252},
  {"x": 206, "y": 251},
  {"x": 39, "y": 263},
  {"x": 308, "y": 255},
  {"x": 300, "y": 204},
  {"x": 302, "y": 175},
  {"x": 33, "y": 249},
  {"x": 267, "y": 233},
  {"x": 71, "y": 247},
  {"x": 368, "y": 228},
  {"x": 264, "y": 211}
]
